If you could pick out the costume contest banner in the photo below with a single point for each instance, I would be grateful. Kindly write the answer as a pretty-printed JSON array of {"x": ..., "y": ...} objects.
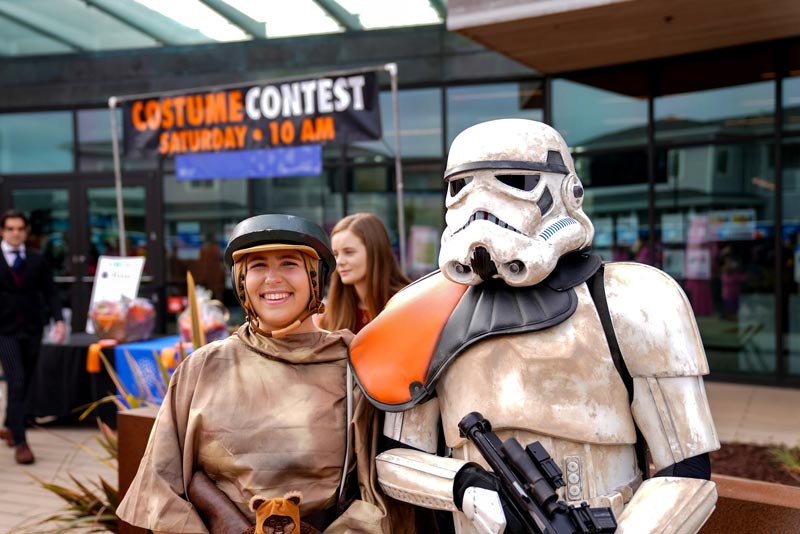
[{"x": 297, "y": 113}]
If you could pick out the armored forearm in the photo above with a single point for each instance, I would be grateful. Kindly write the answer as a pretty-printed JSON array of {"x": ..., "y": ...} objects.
[{"x": 669, "y": 505}]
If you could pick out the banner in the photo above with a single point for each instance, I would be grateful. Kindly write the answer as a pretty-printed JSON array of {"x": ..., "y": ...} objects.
[
  {"x": 274, "y": 163},
  {"x": 321, "y": 110}
]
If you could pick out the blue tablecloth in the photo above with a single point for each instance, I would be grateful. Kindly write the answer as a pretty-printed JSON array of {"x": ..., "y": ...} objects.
[{"x": 142, "y": 379}]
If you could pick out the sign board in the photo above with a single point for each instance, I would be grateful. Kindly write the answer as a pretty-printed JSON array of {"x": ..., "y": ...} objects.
[
  {"x": 272, "y": 163},
  {"x": 340, "y": 109},
  {"x": 115, "y": 277}
]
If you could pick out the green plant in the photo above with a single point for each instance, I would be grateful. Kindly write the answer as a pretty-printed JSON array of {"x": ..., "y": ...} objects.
[
  {"x": 789, "y": 458},
  {"x": 91, "y": 507}
]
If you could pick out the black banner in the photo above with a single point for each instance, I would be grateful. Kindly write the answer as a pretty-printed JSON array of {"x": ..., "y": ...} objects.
[{"x": 322, "y": 110}]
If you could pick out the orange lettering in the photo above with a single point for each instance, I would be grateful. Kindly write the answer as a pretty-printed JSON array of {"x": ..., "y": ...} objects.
[
  {"x": 235, "y": 106},
  {"x": 152, "y": 113},
  {"x": 325, "y": 129},
  {"x": 180, "y": 104},
  {"x": 164, "y": 142},
  {"x": 167, "y": 117},
  {"x": 194, "y": 110},
  {"x": 217, "y": 138},
  {"x": 136, "y": 118},
  {"x": 215, "y": 108}
]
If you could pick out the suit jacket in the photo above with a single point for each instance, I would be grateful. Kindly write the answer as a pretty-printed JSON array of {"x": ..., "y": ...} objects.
[{"x": 35, "y": 300}]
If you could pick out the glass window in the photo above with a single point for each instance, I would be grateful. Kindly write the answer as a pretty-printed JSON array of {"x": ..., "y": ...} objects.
[
  {"x": 791, "y": 254},
  {"x": 420, "y": 128},
  {"x": 199, "y": 217},
  {"x": 716, "y": 114},
  {"x": 714, "y": 232},
  {"x": 616, "y": 201},
  {"x": 591, "y": 118},
  {"x": 36, "y": 142},
  {"x": 423, "y": 210},
  {"x": 310, "y": 197},
  {"x": 791, "y": 91},
  {"x": 95, "y": 152},
  {"x": 472, "y": 104}
]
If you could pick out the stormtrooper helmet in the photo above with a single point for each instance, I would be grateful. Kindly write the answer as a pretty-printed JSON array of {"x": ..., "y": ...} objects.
[{"x": 514, "y": 204}]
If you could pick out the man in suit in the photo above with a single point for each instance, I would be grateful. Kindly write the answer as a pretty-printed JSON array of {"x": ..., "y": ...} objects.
[{"x": 28, "y": 298}]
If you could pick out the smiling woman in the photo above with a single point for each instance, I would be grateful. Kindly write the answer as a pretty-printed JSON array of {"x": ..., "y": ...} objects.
[{"x": 266, "y": 411}]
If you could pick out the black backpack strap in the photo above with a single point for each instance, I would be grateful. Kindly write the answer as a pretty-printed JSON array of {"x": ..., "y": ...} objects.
[{"x": 598, "y": 291}]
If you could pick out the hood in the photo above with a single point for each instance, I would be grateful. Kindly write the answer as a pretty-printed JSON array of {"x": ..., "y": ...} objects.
[{"x": 312, "y": 347}]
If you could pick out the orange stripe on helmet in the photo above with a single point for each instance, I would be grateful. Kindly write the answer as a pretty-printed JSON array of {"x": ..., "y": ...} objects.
[{"x": 396, "y": 348}]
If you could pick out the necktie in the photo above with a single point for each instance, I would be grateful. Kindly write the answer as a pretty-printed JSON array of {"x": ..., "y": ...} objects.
[{"x": 18, "y": 261}]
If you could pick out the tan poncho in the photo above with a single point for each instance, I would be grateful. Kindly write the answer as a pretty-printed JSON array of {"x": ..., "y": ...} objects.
[{"x": 261, "y": 416}]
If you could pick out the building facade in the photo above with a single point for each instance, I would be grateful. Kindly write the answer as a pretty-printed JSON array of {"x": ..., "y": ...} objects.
[{"x": 691, "y": 163}]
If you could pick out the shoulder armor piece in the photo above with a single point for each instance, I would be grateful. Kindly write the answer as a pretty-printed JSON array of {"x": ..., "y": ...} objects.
[
  {"x": 399, "y": 357},
  {"x": 653, "y": 321}
]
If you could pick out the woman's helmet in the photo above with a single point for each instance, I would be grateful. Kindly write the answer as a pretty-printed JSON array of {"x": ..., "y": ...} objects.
[{"x": 280, "y": 232}]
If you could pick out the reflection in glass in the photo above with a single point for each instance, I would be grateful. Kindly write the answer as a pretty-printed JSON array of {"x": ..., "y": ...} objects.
[
  {"x": 95, "y": 152},
  {"x": 714, "y": 228},
  {"x": 36, "y": 142},
  {"x": 590, "y": 118},
  {"x": 420, "y": 129},
  {"x": 104, "y": 224},
  {"x": 716, "y": 114},
  {"x": 48, "y": 214},
  {"x": 791, "y": 255},
  {"x": 310, "y": 197},
  {"x": 616, "y": 201},
  {"x": 198, "y": 215},
  {"x": 791, "y": 103},
  {"x": 471, "y": 104}
]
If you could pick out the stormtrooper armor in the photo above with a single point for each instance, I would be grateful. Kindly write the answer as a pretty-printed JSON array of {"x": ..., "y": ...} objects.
[{"x": 510, "y": 328}]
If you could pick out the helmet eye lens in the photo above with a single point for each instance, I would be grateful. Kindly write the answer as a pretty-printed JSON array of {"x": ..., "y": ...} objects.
[
  {"x": 523, "y": 182},
  {"x": 458, "y": 184}
]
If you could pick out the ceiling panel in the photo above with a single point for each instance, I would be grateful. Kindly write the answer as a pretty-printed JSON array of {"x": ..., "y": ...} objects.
[{"x": 44, "y": 27}]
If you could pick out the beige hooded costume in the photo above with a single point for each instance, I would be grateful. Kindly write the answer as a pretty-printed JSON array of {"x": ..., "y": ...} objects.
[{"x": 260, "y": 416}]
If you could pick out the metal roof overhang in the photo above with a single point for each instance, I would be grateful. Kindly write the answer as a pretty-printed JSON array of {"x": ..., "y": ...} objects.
[{"x": 556, "y": 36}]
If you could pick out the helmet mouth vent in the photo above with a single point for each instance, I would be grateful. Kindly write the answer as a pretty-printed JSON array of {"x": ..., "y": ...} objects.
[
  {"x": 482, "y": 215},
  {"x": 482, "y": 264}
]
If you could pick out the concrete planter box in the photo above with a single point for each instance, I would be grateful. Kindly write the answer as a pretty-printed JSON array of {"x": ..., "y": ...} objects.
[{"x": 754, "y": 507}]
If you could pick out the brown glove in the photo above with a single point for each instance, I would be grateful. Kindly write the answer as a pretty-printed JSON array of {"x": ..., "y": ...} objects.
[{"x": 219, "y": 514}]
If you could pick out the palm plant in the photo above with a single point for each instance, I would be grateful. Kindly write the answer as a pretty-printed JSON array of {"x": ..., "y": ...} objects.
[{"x": 90, "y": 507}]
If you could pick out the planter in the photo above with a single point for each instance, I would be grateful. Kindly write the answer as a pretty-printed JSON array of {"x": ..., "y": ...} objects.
[{"x": 754, "y": 507}]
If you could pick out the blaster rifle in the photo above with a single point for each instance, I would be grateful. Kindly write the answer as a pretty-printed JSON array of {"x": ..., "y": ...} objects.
[{"x": 528, "y": 480}]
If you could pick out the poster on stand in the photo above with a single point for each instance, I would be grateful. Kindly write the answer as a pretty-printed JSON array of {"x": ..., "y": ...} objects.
[{"x": 116, "y": 277}]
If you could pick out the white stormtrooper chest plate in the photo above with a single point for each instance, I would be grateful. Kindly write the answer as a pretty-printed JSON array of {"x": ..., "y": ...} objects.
[{"x": 558, "y": 382}]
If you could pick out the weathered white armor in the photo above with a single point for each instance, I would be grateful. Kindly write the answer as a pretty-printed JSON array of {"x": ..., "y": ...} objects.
[
  {"x": 514, "y": 212},
  {"x": 559, "y": 386}
]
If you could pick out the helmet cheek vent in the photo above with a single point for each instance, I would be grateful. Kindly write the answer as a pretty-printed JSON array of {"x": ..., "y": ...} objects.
[{"x": 545, "y": 203}]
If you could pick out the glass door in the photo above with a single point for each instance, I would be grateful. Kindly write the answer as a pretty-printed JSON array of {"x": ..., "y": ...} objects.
[{"x": 74, "y": 221}]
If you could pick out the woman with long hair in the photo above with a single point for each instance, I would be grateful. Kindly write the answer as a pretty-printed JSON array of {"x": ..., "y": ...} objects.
[{"x": 366, "y": 276}]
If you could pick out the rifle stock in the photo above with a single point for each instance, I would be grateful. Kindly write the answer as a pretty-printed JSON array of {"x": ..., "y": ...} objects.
[{"x": 528, "y": 480}]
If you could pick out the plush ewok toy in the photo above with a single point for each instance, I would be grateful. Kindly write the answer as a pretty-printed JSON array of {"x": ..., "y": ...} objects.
[{"x": 279, "y": 515}]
